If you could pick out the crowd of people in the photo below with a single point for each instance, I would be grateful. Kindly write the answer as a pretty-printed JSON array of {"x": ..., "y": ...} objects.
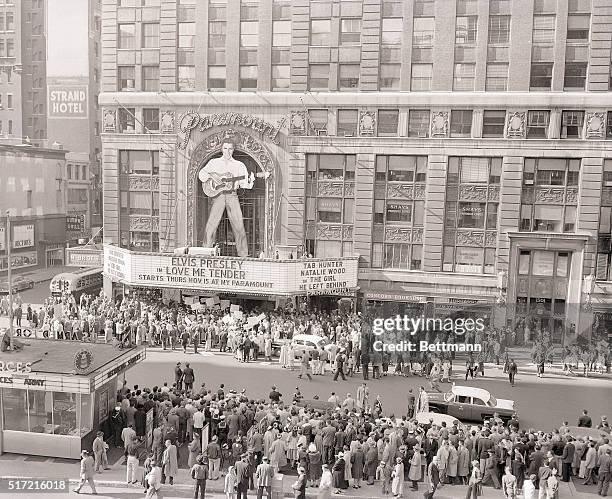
[{"x": 337, "y": 444}]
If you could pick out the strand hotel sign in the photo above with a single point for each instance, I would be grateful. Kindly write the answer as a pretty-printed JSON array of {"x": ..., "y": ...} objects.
[{"x": 230, "y": 274}]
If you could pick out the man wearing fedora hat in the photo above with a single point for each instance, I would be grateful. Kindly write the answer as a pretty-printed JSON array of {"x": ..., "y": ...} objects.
[
  {"x": 263, "y": 476},
  {"x": 87, "y": 473}
]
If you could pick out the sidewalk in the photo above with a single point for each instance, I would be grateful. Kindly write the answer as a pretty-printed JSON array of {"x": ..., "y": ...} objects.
[{"x": 14, "y": 466}]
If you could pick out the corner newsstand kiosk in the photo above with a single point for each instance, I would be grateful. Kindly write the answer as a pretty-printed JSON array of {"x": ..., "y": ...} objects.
[{"x": 55, "y": 394}]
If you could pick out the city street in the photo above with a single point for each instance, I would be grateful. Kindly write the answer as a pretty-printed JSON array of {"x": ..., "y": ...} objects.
[{"x": 542, "y": 403}]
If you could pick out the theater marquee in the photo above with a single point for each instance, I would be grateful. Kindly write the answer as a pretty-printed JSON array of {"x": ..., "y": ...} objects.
[{"x": 230, "y": 274}]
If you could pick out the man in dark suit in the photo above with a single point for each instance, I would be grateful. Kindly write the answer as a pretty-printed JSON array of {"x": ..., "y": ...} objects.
[
  {"x": 567, "y": 458},
  {"x": 483, "y": 445},
  {"x": 537, "y": 459},
  {"x": 584, "y": 421},
  {"x": 430, "y": 446},
  {"x": 433, "y": 473},
  {"x": 243, "y": 473}
]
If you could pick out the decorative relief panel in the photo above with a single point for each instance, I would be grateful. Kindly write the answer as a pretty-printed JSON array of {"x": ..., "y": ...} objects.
[
  {"x": 110, "y": 118},
  {"x": 297, "y": 123},
  {"x": 310, "y": 230},
  {"x": 347, "y": 232},
  {"x": 571, "y": 195},
  {"x": 419, "y": 191},
  {"x": 404, "y": 191},
  {"x": 143, "y": 223},
  {"x": 515, "y": 126},
  {"x": 549, "y": 195},
  {"x": 472, "y": 193},
  {"x": 167, "y": 122},
  {"x": 493, "y": 193},
  {"x": 523, "y": 285},
  {"x": 329, "y": 232},
  {"x": 144, "y": 183},
  {"x": 595, "y": 126},
  {"x": 491, "y": 238},
  {"x": 328, "y": 189},
  {"x": 417, "y": 235},
  {"x": 349, "y": 190},
  {"x": 367, "y": 122},
  {"x": 397, "y": 234},
  {"x": 470, "y": 238},
  {"x": 439, "y": 124}
]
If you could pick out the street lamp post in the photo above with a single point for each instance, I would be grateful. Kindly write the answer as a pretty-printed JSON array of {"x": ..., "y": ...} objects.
[{"x": 10, "y": 275}]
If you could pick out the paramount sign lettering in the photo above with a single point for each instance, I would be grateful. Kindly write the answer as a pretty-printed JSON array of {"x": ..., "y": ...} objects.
[
  {"x": 191, "y": 121},
  {"x": 274, "y": 277}
]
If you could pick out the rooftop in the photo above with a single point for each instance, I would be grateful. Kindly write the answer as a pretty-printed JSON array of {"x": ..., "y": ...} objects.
[{"x": 57, "y": 357}]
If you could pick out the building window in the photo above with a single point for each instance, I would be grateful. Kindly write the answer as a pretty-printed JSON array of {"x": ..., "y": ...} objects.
[
  {"x": 499, "y": 30},
  {"x": 248, "y": 77},
  {"x": 578, "y": 27},
  {"x": 464, "y": 77},
  {"x": 420, "y": 80},
  {"x": 537, "y": 124},
  {"x": 423, "y": 7},
  {"x": 461, "y": 123},
  {"x": 138, "y": 162},
  {"x": 604, "y": 238},
  {"x": 126, "y": 37},
  {"x": 388, "y": 121},
  {"x": 466, "y": 30},
  {"x": 69, "y": 172},
  {"x": 423, "y": 31},
  {"x": 186, "y": 35},
  {"x": 9, "y": 101},
  {"x": 281, "y": 77},
  {"x": 571, "y": 124},
  {"x": 216, "y": 77},
  {"x": 186, "y": 78},
  {"x": 150, "y": 78},
  {"x": 472, "y": 193},
  {"x": 348, "y": 76},
  {"x": 320, "y": 32},
  {"x": 281, "y": 33},
  {"x": 575, "y": 75},
  {"x": 126, "y": 78},
  {"x": 493, "y": 123},
  {"x": 541, "y": 75},
  {"x": 249, "y": 33},
  {"x": 543, "y": 29},
  {"x": 418, "y": 123},
  {"x": 127, "y": 119},
  {"x": 558, "y": 179},
  {"x": 216, "y": 34},
  {"x": 281, "y": 10},
  {"x": 389, "y": 78},
  {"x": 393, "y": 173},
  {"x": 322, "y": 208},
  {"x": 608, "y": 125},
  {"x": 497, "y": 77},
  {"x": 318, "y": 77},
  {"x": 150, "y": 35},
  {"x": 347, "y": 122},
  {"x": 150, "y": 118},
  {"x": 317, "y": 121},
  {"x": 350, "y": 31},
  {"x": 392, "y": 31},
  {"x": 29, "y": 198}
]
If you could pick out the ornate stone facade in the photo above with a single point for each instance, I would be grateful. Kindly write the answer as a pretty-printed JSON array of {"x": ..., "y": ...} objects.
[
  {"x": 470, "y": 238},
  {"x": 595, "y": 125},
  {"x": 211, "y": 144},
  {"x": 143, "y": 223},
  {"x": 167, "y": 122},
  {"x": 110, "y": 121},
  {"x": 298, "y": 123},
  {"x": 439, "y": 124},
  {"x": 367, "y": 123},
  {"x": 515, "y": 126},
  {"x": 143, "y": 183},
  {"x": 330, "y": 189},
  {"x": 470, "y": 192},
  {"x": 553, "y": 195}
]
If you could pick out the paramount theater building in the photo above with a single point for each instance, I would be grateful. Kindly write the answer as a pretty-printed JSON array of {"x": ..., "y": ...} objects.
[{"x": 431, "y": 155}]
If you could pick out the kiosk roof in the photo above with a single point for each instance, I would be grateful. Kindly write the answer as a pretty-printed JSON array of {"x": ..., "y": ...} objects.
[{"x": 52, "y": 356}]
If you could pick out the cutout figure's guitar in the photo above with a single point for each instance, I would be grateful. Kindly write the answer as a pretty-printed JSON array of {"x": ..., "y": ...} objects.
[{"x": 224, "y": 182}]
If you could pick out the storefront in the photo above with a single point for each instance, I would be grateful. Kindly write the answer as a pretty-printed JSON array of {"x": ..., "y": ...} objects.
[{"x": 54, "y": 395}]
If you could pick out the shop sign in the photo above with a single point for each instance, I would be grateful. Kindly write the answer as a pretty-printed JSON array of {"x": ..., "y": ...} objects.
[
  {"x": 15, "y": 367},
  {"x": 23, "y": 236},
  {"x": 82, "y": 257},
  {"x": 191, "y": 120},
  {"x": 75, "y": 222},
  {"x": 234, "y": 275},
  {"x": 395, "y": 297},
  {"x": 20, "y": 260},
  {"x": 124, "y": 365},
  {"x": 67, "y": 101}
]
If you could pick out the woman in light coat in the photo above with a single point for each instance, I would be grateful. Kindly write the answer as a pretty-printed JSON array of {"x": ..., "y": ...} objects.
[
  {"x": 397, "y": 485},
  {"x": 415, "y": 474},
  {"x": 463, "y": 463},
  {"x": 170, "y": 462},
  {"x": 231, "y": 481},
  {"x": 325, "y": 484}
]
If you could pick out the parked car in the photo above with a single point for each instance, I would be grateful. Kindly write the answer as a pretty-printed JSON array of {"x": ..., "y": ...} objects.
[
  {"x": 19, "y": 284},
  {"x": 579, "y": 431},
  {"x": 468, "y": 403},
  {"x": 437, "y": 419}
]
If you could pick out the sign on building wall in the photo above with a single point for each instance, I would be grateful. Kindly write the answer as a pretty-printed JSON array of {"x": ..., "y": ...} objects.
[
  {"x": 23, "y": 236},
  {"x": 67, "y": 101},
  {"x": 84, "y": 257},
  {"x": 75, "y": 222},
  {"x": 229, "y": 274}
]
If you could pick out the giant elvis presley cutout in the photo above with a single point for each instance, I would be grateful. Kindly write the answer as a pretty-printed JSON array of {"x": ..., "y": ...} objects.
[{"x": 221, "y": 178}]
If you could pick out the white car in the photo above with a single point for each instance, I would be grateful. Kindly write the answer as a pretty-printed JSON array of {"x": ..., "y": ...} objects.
[{"x": 302, "y": 342}]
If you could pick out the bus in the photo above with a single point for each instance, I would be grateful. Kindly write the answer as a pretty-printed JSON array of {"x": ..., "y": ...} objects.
[{"x": 78, "y": 282}]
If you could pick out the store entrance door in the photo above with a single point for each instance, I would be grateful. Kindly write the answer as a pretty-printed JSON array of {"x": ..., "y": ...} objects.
[{"x": 541, "y": 297}]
